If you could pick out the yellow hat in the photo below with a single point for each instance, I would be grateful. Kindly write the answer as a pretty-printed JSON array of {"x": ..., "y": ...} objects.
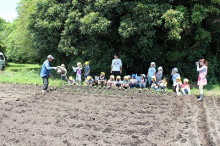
[
  {"x": 118, "y": 77},
  {"x": 186, "y": 81},
  {"x": 153, "y": 77},
  {"x": 89, "y": 78},
  {"x": 126, "y": 77},
  {"x": 79, "y": 63},
  {"x": 70, "y": 78},
  {"x": 178, "y": 78},
  {"x": 112, "y": 76},
  {"x": 102, "y": 73},
  {"x": 87, "y": 63}
]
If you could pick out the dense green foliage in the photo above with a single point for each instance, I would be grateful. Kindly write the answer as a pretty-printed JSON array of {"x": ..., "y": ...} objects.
[{"x": 172, "y": 33}]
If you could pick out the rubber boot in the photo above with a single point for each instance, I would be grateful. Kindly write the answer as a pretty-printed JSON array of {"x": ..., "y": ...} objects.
[{"x": 201, "y": 97}]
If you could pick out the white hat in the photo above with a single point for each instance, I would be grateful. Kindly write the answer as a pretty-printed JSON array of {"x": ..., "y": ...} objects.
[
  {"x": 161, "y": 68},
  {"x": 152, "y": 63},
  {"x": 175, "y": 69},
  {"x": 143, "y": 75},
  {"x": 50, "y": 57}
]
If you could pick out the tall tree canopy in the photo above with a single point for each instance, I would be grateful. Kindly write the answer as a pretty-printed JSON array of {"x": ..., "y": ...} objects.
[{"x": 172, "y": 33}]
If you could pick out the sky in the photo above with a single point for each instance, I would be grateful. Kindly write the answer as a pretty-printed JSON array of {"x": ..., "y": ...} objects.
[{"x": 8, "y": 9}]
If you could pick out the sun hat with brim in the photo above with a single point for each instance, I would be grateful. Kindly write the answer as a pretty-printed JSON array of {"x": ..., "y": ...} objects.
[
  {"x": 112, "y": 76},
  {"x": 175, "y": 69},
  {"x": 70, "y": 78},
  {"x": 186, "y": 80},
  {"x": 50, "y": 57},
  {"x": 89, "y": 78},
  {"x": 160, "y": 68},
  {"x": 118, "y": 77}
]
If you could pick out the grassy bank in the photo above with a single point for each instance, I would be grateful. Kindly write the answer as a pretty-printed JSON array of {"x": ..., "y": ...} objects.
[{"x": 29, "y": 74}]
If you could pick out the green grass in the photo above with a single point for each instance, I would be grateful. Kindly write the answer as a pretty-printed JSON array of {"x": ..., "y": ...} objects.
[{"x": 29, "y": 74}]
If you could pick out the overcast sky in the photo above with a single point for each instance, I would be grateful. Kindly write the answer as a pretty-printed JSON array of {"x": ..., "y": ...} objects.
[{"x": 8, "y": 9}]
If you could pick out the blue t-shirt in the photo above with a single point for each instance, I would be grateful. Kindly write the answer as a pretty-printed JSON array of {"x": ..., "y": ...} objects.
[
  {"x": 87, "y": 69},
  {"x": 45, "y": 70},
  {"x": 174, "y": 76},
  {"x": 151, "y": 71}
]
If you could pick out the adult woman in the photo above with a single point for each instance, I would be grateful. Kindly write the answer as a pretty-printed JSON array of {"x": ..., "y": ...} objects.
[{"x": 202, "y": 68}]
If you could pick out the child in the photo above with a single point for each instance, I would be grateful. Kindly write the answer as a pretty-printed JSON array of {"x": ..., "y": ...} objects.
[
  {"x": 175, "y": 75},
  {"x": 153, "y": 83},
  {"x": 71, "y": 81},
  {"x": 202, "y": 68},
  {"x": 142, "y": 83},
  {"x": 111, "y": 81},
  {"x": 159, "y": 74},
  {"x": 96, "y": 80},
  {"x": 162, "y": 84},
  {"x": 151, "y": 72},
  {"x": 118, "y": 82},
  {"x": 133, "y": 81},
  {"x": 102, "y": 79},
  {"x": 178, "y": 85},
  {"x": 89, "y": 81},
  {"x": 125, "y": 83},
  {"x": 186, "y": 87},
  {"x": 87, "y": 70},
  {"x": 79, "y": 73},
  {"x": 63, "y": 75}
]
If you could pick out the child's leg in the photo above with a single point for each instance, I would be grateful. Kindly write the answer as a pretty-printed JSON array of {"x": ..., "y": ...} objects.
[
  {"x": 188, "y": 91},
  {"x": 149, "y": 81},
  {"x": 201, "y": 89},
  {"x": 183, "y": 91},
  {"x": 144, "y": 85}
]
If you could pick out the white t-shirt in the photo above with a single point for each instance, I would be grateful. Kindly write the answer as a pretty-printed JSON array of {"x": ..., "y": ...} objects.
[{"x": 116, "y": 64}]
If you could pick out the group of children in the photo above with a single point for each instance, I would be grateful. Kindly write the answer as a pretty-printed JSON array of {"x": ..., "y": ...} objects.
[{"x": 153, "y": 78}]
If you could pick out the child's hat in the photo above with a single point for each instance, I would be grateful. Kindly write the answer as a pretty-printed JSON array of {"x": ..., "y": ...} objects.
[
  {"x": 79, "y": 63},
  {"x": 175, "y": 69},
  {"x": 134, "y": 75},
  {"x": 70, "y": 78},
  {"x": 62, "y": 65},
  {"x": 178, "y": 78},
  {"x": 103, "y": 73},
  {"x": 118, "y": 77},
  {"x": 153, "y": 77},
  {"x": 112, "y": 76},
  {"x": 126, "y": 77},
  {"x": 160, "y": 68},
  {"x": 89, "y": 78},
  {"x": 186, "y": 81},
  {"x": 143, "y": 75},
  {"x": 152, "y": 63},
  {"x": 87, "y": 63}
]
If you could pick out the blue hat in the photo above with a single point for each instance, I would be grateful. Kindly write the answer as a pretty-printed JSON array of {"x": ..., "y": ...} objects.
[{"x": 134, "y": 75}]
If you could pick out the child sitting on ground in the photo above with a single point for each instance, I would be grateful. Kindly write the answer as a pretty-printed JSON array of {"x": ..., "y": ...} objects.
[
  {"x": 162, "y": 84},
  {"x": 118, "y": 82},
  {"x": 111, "y": 81},
  {"x": 89, "y": 81},
  {"x": 133, "y": 81},
  {"x": 71, "y": 81},
  {"x": 159, "y": 74},
  {"x": 96, "y": 80},
  {"x": 87, "y": 70},
  {"x": 186, "y": 87},
  {"x": 175, "y": 75},
  {"x": 153, "y": 83},
  {"x": 102, "y": 79},
  {"x": 151, "y": 72},
  {"x": 178, "y": 85},
  {"x": 125, "y": 83},
  {"x": 142, "y": 82}
]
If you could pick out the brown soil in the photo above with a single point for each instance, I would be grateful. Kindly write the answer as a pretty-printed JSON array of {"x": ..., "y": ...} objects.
[{"x": 89, "y": 116}]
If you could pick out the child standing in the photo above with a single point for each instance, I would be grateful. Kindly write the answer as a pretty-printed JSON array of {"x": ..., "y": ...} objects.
[
  {"x": 186, "y": 87},
  {"x": 89, "y": 81},
  {"x": 151, "y": 72},
  {"x": 87, "y": 70},
  {"x": 71, "y": 81},
  {"x": 133, "y": 81},
  {"x": 79, "y": 73},
  {"x": 202, "y": 68},
  {"x": 175, "y": 75},
  {"x": 111, "y": 81},
  {"x": 178, "y": 85},
  {"x": 159, "y": 74},
  {"x": 118, "y": 82},
  {"x": 102, "y": 79},
  {"x": 125, "y": 83},
  {"x": 142, "y": 83}
]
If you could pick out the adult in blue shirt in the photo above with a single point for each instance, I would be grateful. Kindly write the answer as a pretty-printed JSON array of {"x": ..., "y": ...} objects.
[{"x": 45, "y": 72}]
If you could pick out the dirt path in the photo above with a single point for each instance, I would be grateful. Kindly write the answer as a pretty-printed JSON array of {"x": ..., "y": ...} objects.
[{"x": 68, "y": 117}]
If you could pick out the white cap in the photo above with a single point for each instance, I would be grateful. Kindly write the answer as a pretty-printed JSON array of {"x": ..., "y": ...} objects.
[
  {"x": 175, "y": 69},
  {"x": 152, "y": 63},
  {"x": 50, "y": 57},
  {"x": 160, "y": 68},
  {"x": 143, "y": 75}
]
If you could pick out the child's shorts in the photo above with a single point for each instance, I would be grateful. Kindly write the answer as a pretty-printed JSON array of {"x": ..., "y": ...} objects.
[{"x": 78, "y": 77}]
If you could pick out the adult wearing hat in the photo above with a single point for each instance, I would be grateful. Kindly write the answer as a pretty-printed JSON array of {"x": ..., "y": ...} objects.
[
  {"x": 116, "y": 67},
  {"x": 45, "y": 71}
]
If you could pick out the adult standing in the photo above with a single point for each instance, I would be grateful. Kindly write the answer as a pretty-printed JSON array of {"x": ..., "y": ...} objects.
[
  {"x": 116, "y": 67},
  {"x": 45, "y": 72},
  {"x": 202, "y": 68}
]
